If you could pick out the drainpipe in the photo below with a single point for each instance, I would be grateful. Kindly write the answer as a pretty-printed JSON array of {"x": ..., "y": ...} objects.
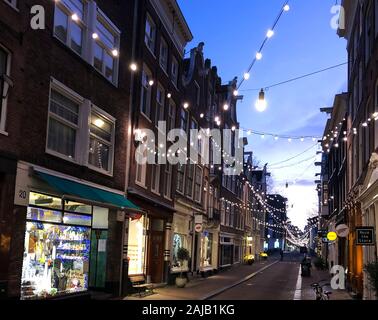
[{"x": 124, "y": 262}]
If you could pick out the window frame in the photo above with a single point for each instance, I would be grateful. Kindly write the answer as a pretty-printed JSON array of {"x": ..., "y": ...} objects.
[
  {"x": 174, "y": 77},
  {"x": 111, "y": 144},
  {"x": 4, "y": 102},
  {"x": 13, "y": 4},
  {"x": 198, "y": 168},
  {"x": 143, "y": 168},
  {"x": 153, "y": 27},
  {"x": 168, "y": 181},
  {"x": 146, "y": 73},
  {"x": 163, "y": 64},
  {"x": 155, "y": 178},
  {"x": 160, "y": 107}
]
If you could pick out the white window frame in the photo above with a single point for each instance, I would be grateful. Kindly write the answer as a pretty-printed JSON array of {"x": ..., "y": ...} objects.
[
  {"x": 80, "y": 138},
  {"x": 146, "y": 73},
  {"x": 168, "y": 181},
  {"x": 112, "y": 28},
  {"x": 4, "y": 102},
  {"x": 143, "y": 168},
  {"x": 110, "y": 144},
  {"x": 160, "y": 107},
  {"x": 82, "y": 128},
  {"x": 175, "y": 76},
  {"x": 163, "y": 64},
  {"x": 155, "y": 178},
  {"x": 198, "y": 168},
  {"x": 148, "y": 39}
]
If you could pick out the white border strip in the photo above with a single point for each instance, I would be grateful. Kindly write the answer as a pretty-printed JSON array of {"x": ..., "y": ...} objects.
[{"x": 298, "y": 287}]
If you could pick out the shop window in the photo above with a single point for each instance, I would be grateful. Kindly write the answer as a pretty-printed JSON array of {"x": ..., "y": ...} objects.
[
  {"x": 101, "y": 141},
  {"x": 179, "y": 241},
  {"x": 150, "y": 34},
  {"x": 45, "y": 201},
  {"x": 44, "y": 215},
  {"x": 236, "y": 254},
  {"x": 77, "y": 207},
  {"x": 136, "y": 246},
  {"x": 146, "y": 92},
  {"x": 76, "y": 219},
  {"x": 163, "y": 55},
  {"x": 226, "y": 255},
  {"x": 4, "y": 71},
  {"x": 160, "y": 99},
  {"x": 207, "y": 245}
]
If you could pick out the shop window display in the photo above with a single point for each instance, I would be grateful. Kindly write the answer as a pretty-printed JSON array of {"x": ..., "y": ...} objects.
[
  {"x": 179, "y": 241},
  {"x": 58, "y": 246},
  {"x": 136, "y": 245},
  {"x": 207, "y": 244}
]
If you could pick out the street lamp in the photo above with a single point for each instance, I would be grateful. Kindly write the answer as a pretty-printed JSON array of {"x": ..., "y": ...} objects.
[
  {"x": 5, "y": 83},
  {"x": 261, "y": 103}
]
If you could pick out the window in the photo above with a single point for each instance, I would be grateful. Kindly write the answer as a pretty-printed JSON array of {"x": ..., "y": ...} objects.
[
  {"x": 141, "y": 166},
  {"x": 189, "y": 180},
  {"x": 171, "y": 116},
  {"x": 145, "y": 105},
  {"x": 160, "y": 98},
  {"x": 180, "y": 177},
  {"x": 197, "y": 93},
  {"x": 79, "y": 131},
  {"x": 174, "y": 71},
  {"x": 150, "y": 34},
  {"x": 101, "y": 141},
  {"x": 168, "y": 180},
  {"x": 198, "y": 184},
  {"x": 73, "y": 20},
  {"x": 155, "y": 178},
  {"x": 13, "y": 3},
  {"x": 4, "y": 70},
  {"x": 163, "y": 58},
  {"x": 184, "y": 120},
  {"x": 105, "y": 54},
  {"x": 63, "y": 125},
  {"x": 68, "y": 29}
]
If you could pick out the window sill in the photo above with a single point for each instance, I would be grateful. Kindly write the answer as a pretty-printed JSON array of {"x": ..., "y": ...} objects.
[
  {"x": 168, "y": 198},
  {"x": 140, "y": 184},
  {"x": 156, "y": 192},
  {"x": 61, "y": 156},
  {"x": 150, "y": 50},
  {"x": 12, "y": 6},
  {"x": 4, "y": 133},
  {"x": 145, "y": 116},
  {"x": 107, "y": 173}
]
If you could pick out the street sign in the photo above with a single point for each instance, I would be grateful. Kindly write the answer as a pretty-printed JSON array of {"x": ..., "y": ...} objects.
[
  {"x": 365, "y": 236},
  {"x": 198, "y": 227},
  {"x": 332, "y": 236},
  {"x": 342, "y": 230}
]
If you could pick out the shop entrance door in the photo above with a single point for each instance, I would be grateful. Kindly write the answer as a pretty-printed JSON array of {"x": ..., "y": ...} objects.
[
  {"x": 97, "y": 271},
  {"x": 156, "y": 251}
]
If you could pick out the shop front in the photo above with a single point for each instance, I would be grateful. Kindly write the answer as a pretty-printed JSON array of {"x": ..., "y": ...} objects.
[
  {"x": 226, "y": 251},
  {"x": 68, "y": 226},
  {"x": 209, "y": 251}
]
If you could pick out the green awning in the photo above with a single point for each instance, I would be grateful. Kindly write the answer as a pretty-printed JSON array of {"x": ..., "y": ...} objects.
[{"x": 68, "y": 187}]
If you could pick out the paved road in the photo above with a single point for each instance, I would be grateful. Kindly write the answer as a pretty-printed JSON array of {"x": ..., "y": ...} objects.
[{"x": 275, "y": 283}]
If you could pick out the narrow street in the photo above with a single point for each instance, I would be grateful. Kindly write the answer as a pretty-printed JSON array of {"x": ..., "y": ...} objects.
[{"x": 275, "y": 283}]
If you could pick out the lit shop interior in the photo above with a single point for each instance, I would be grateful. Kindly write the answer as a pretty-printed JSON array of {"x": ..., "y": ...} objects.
[{"x": 65, "y": 247}]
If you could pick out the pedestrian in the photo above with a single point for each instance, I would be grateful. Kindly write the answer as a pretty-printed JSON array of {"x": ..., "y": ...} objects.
[{"x": 282, "y": 254}]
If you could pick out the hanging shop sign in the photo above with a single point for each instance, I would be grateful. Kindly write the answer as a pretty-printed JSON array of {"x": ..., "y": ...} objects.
[
  {"x": 198, "y": 227},
  {"x": 198, "y": 218},
  {"x": 332, "y": 236},
  {"x": 365, "y": 236},
  {"x": 342, "y": 230}
]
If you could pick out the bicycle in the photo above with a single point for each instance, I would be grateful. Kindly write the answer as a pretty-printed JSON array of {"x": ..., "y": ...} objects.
[{"x": 319, "y": 292}]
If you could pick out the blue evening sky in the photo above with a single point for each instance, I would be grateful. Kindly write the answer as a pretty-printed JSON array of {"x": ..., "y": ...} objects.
[{"x": 303, "y": 42}]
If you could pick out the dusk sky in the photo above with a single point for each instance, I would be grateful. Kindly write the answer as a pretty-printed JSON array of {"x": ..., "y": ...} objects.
[{"x": 304, "y": 41}]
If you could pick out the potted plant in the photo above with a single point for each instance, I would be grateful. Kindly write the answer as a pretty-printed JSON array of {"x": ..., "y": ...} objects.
[
  {"x": 372, "y": 270},
  {"x": 182, "y": 256}
]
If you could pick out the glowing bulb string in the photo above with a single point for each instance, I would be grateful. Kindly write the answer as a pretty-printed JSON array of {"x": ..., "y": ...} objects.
[{"x": 270, "y": 33}]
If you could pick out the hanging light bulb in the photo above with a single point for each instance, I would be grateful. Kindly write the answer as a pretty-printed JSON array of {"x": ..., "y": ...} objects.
[
  {"x": 286, "y": 8},
  {"x": 270, "y": 33},
  {"x": 261, "y": 103},
  {"x": 133, "y": 67},
  {"x": 246, "y": 76},
  {"x": 258, "y": 55},
  {"x": 225, "y": 107},
  {"x": 236, "y": 92}
]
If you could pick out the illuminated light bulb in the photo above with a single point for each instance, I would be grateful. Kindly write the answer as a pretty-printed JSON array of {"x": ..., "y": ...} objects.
[
  {"x": 261, "y": 103},
  {"x": 249, "y": 132},
  {"x": 233, "y": 128},
  {"x": 286, "y": 8},
  {"x": 236, "y": 92},
  {"x": 202, "y": 115},
  {"x": 216, "y": 119},
  {"x": 115, "y": 53},
  {"x": 365, "y": 124},
  {"x": 263, "y": 136},
  {"x": 345, "y": 139},
  {"x": 133, "y": 67},
  {"x": 161, "y": 145},
  {"x": 375, "y": 115},
  {"x": 199, "y": 137},
  {"x": 276, "y": 138},
  {"x": 225, "y": 107},
  {"x": 246, "y": 76},
  {"x": 270, "y": 33},
  {"x": 151, "y": 83},
  {"x": 258, "y": 55},
  {"x": 289, "y": 139},
  {"x": 336, "y": 145},
  {"x": 186, "y": 105},
  {"x": 75, "y": 17},
  {"x": 302, "y": 139},
  {"x": 169, "y": 95},
  {"x": 99, "y": 123},
  {"x": 95, "y": 35}
]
